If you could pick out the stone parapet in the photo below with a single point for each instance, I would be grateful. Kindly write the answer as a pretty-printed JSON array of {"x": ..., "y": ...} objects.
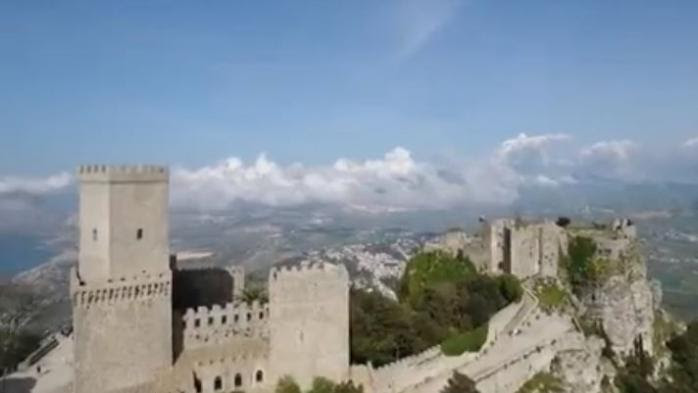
[
  {"x": 122, "y": 173},
  {"x": 144, "y": 287},
  {"x": 205, "y": 326}
]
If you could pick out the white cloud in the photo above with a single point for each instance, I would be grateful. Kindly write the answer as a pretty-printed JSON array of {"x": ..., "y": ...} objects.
[
  {"x": 396, "y": 181},
  {"x": 693, "y": 142},
  {"x": 419, "y": 20},
  {"x": 615, "y": 159},
  {"x": 617, "y": 151},
  {"x": 34, "y": 186},
  {"x": 529, "y": 147}
]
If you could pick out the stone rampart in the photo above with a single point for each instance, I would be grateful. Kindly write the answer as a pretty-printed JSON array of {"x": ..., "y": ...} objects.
[
  {"x": 210, "y": 326},
  {"x": 142, "y": 287}
]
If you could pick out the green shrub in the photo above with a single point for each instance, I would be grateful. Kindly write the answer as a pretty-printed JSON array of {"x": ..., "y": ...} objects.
[
  {"x": 427, "y": 269},
  {"x": 460, "y": 383},
  {"x": 551, "y": 296},
  {"x": 470, "y": 341},
  {"x": 581, "y": 252},
  {"x": 322, "y": 385},
  {"x": 510, "y": 287},
  {"x": 15, "y": 346},
  {"x": 542, "y": 383},
  {"x": 287, "y": 384}
]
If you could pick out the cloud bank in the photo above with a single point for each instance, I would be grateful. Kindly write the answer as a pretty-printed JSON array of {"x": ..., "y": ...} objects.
[
  {"x": 34, "y": 186},
  {"x": 399, "y": 181}
]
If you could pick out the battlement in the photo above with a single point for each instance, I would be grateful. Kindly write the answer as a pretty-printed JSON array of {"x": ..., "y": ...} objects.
[
  {"x": 122, "y": 173},
  {"x": 207, "y": 326},
  {"x": 146, "y": 286},
  {"x": 413, "y": 360},
  {"x": 308, "y": 269}
]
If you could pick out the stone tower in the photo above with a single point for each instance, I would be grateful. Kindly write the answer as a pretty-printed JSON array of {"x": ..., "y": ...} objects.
[
  {"x": 121, "y": 288},
  {"x": 309, "y": 323}
]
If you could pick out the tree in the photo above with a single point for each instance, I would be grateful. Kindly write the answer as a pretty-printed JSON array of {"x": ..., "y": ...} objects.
[
  {"x": 287, "y": 384},
  {"x": 510, "y": 287},
  {"x": 460, "y": 383},
  {"x": 684, "y": 356},
  {"x": 15, "y": 346},
  {"x": 348, "y": 387},
  {"x": 322, "y": 385}
]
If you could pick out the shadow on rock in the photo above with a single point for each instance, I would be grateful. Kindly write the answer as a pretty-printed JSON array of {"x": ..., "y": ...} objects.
[{"x": 17, "y": 385}]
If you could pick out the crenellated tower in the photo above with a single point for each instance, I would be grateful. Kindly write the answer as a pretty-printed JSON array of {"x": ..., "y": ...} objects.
[
  {"x": 309, "y": 322},
  {"x": 121, "y": 287}
]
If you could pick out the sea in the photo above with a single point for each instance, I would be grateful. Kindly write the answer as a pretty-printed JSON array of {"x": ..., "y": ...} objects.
[{"x": 22, "y": 252}]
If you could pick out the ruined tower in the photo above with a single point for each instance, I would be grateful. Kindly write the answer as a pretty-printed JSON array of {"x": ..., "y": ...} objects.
[
  {"x": 121, "y": 287},
  {"x": 309, "y": 322}
]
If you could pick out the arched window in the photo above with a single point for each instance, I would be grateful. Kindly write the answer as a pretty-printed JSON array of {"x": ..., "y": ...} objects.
[
  {"x": 139, "y": 234},
  {"x": 259, "y": 376},
  {"x": 217, "y": 384},
  {"x": 238, "y": 380},
  {"x": 197, "y": 384}
]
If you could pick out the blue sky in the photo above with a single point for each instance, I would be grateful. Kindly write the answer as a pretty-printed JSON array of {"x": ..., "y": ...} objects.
[{"x": 188, "y": 84}]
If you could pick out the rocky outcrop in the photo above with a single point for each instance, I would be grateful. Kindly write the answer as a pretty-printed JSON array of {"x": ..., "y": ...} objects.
[
  {"x": 624, "y": 306},
  {"x": 581, "y": 370}
]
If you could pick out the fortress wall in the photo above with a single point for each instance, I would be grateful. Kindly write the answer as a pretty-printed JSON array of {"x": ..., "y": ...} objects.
[
  {"x": 522, "y": 368},
  {"x": 525, "y": 250},
  {"x": 553, "y": 242},
  {"x": 123, "y": 328},
  {"x": 242, "y": 372},
  {"x": 518, "y": 371},
  {"x": 211, "y": 326},
  {"x": 309, "y": 322}
]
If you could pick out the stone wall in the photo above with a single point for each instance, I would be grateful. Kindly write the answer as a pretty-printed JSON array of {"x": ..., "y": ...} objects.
[
  {"x": 309, "y": 322},
  {"x": 526, "y": 249},
  {"x": 217, "y": 325},
  {"x": 123, "y": 332}
]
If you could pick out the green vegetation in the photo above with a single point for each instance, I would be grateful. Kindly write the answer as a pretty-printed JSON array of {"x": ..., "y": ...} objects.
[
  {"x": 15, "y": 346},
  {"x": 429, "y": 269},
  {"x": 684, "y": 354},
  {"x": 255, "y": 293},
  {"x": 442, "y": 300},
  {"x": 551, "y": 296},
  {"x": 583, "y": 268},
  {"x": 460, "y": 383},
  {"x": 470, "y": 341},
  {"x": 542, "y": 383},
  {"x": 320, "y": 385},
  {"x": 287, "y": 385}
]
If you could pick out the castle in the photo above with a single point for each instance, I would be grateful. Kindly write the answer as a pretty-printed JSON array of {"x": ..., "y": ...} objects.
[
  {"x": 143, "y": 323},
  {"x": 129, "y": 335}
]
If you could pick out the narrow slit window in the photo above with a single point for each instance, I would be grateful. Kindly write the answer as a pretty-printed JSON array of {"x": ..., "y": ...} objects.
[
  {"x": 94, "y": 234},
  {"x": 139, "y": 234}
]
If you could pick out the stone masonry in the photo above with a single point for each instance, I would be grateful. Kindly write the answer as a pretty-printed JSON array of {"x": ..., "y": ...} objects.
[{"x": 127, "y": 336}]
